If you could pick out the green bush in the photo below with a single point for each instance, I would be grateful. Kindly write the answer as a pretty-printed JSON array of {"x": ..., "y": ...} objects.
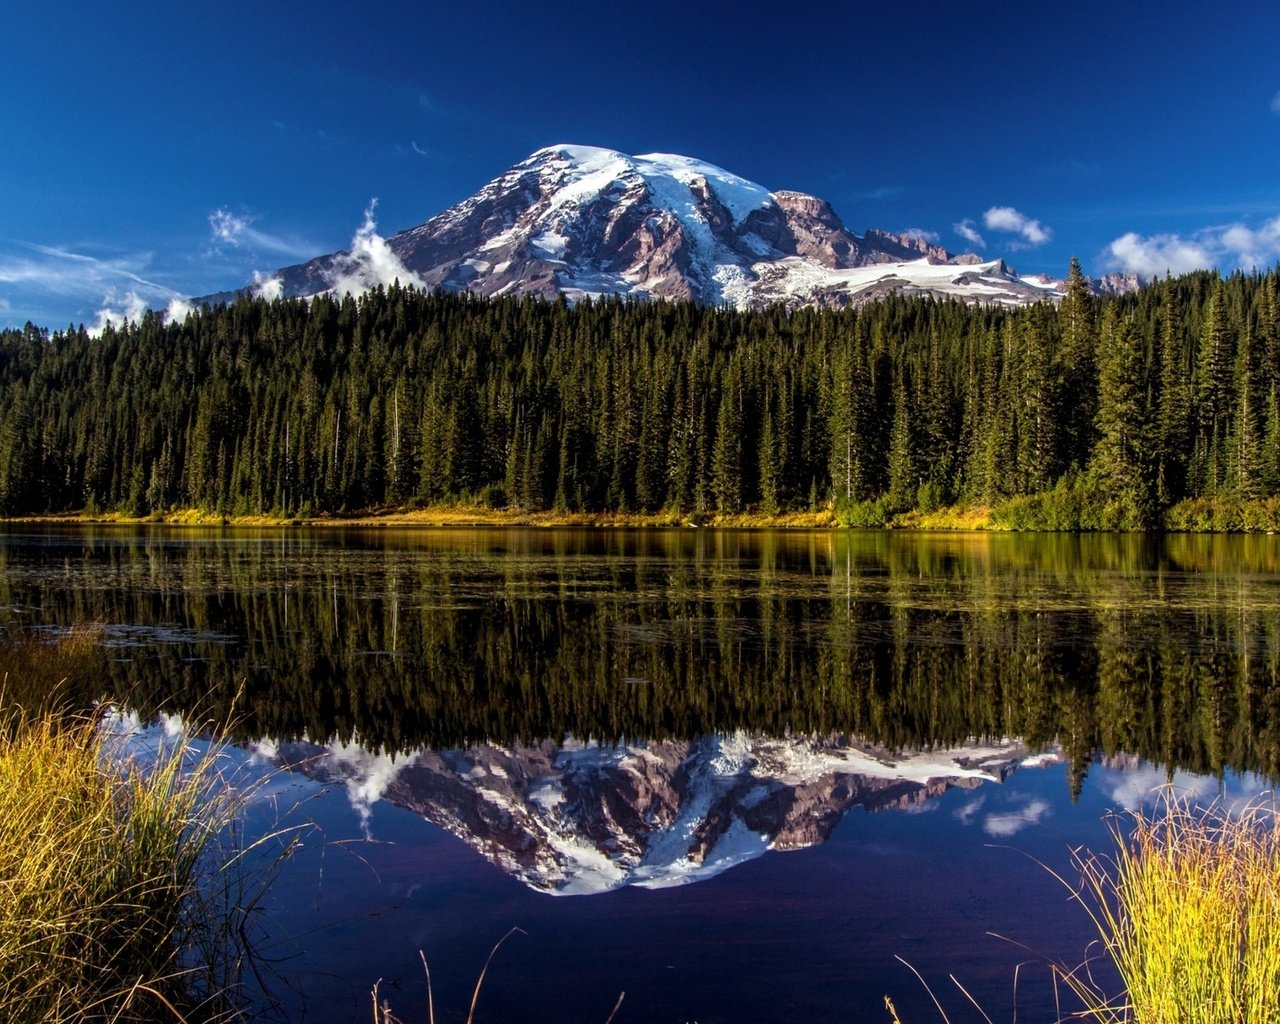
[
  {"x": 492, "y": 496},
  {"x": 873, "y": 512}
]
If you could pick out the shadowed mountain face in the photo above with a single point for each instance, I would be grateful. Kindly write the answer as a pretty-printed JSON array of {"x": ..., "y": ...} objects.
[
  {"x": 580, "y": 221},
  {"x": 578, "y": 818}
]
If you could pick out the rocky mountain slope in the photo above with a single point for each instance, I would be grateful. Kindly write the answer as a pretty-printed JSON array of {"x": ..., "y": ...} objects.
[{"x": 582, "y": 221}]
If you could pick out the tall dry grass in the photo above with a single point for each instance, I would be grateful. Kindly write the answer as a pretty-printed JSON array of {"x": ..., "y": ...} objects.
[
  {"x": 116, "y": 899},
  {"x": 1188, "y": 910},
  {"x": 56, "y": 672}
]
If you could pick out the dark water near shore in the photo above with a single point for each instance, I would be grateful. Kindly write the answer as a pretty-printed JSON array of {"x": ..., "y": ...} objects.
[{"x": 733, "y": 773}]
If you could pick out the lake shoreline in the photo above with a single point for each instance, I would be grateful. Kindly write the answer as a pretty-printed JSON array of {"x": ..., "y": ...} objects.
[
  {"x": 451, "y": 516},
  {"x": 1201, "y": 515},
  {"x": 955, "y": 519}
]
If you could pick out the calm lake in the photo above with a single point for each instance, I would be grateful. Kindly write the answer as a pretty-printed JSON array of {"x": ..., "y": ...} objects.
[{"x": 734, "y": 774}]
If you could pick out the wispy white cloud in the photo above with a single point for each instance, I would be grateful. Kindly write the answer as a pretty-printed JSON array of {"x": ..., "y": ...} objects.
[
  {"x": 967, "y": 812},
  {"x": 413, "y": 148},
  {"x": 1002, "y": 826},
  {"x": 238, "y": 230},
  {"x": 881, "y": 192},
  {"x": 928, "y": 236},
  {"x": 64, "y": 272},
  {"x": 1227, "y": 247},
  {"x": 1275, "y": 103},
  {"x": 120, "y": 286},
  {"x": 370, "y": 263},
  {"x": 1008, "y": 219},
  {"x": 966, "y": 230}
]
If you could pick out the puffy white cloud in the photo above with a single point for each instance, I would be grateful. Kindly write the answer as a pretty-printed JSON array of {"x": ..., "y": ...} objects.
[
  {"x": 966, "y": 230},
  {"x": 1253, "y": 248},
  {"x": 370, "y": 262},
  {"x": 1006, "y": 218},
  {"x": 178, "y": 309},
  {"x": 227, "y": 227},
  {"x": 116, "y": 309},
  {"x": 367, "y": 775},
  {"x": 1144, "y": 787},
  {"x": 1152, "y": 255},
  {"x": 266, "y": 287},
  {"x": 1228, "y": 247}
]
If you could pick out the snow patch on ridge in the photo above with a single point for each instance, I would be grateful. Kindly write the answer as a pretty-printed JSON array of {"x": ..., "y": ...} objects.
[
  {"x": 739, "y": 196},
  {"x": 590, "y": 171}
]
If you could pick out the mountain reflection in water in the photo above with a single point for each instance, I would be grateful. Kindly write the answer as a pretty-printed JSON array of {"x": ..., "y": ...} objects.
[{"x": 578, "y": 818}]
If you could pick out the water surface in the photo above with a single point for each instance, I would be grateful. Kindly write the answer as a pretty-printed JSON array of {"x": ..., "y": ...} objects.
[{"x": 733, "y": 773}]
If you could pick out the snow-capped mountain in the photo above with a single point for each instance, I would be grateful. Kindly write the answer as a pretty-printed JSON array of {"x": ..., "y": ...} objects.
[
  {"x": 578, "y": 818},
  {"x": 583, "y": 221}
]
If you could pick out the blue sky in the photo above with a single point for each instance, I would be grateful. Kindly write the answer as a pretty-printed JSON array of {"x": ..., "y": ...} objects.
[{"x": 158, "y": 150}]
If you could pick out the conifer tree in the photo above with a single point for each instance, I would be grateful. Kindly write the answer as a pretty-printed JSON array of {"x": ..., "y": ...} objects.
[
  {"x": 1122, "y": 458},
  {"x": 726, "y": 452},
  {"x": 1174, "y": 422},
  {"x": 902, "y": 475},
  {"x": 1038, "y": 413},
  {"x": 1078, "y": 353},
  {"x": 848, "y": 396},
  {"x": 1245, "y": 471},
  {"x": 1213, "y": 395}
]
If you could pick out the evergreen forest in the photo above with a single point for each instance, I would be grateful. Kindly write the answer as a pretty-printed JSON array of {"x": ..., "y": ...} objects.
[{"x": 1157, "y": 408}]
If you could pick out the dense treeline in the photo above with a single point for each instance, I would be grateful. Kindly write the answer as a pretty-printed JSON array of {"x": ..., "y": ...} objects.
[{"x": 1091, "y": 413}]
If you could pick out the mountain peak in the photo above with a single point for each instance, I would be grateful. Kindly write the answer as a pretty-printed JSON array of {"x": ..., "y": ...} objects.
[{"x": 586, "y": 221}]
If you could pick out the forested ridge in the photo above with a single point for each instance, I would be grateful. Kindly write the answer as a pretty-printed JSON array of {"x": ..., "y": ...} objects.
[{"x": 1094, "y": 413}]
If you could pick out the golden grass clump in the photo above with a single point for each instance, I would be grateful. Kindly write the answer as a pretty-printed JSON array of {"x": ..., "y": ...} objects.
[
  {"x": 1188, "y": 909},
  {"x": 117, "y": 901}
]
